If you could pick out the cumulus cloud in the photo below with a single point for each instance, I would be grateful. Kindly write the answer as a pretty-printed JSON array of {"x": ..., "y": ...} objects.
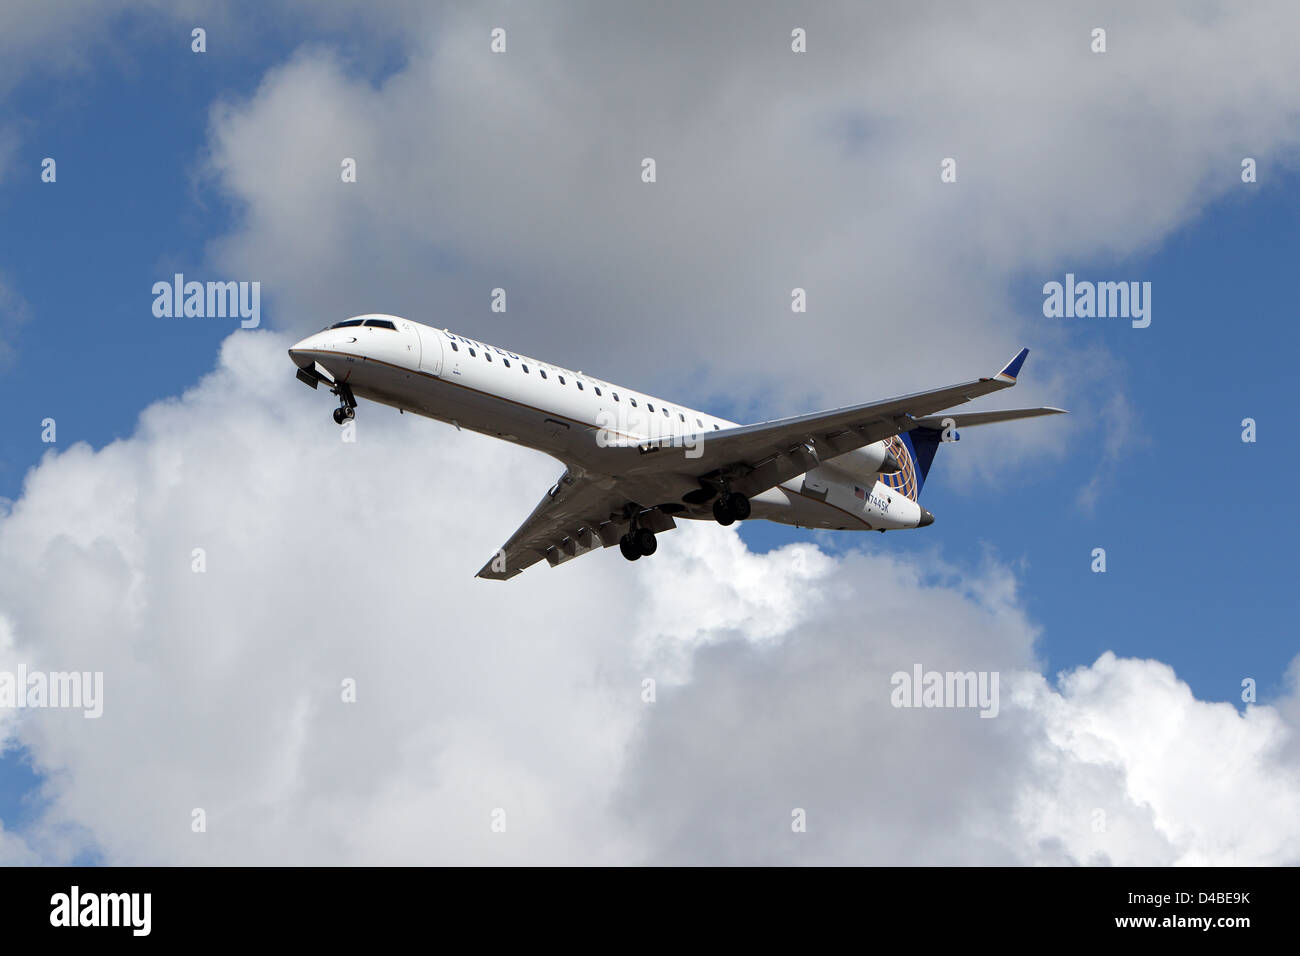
[
  {"x": 223, "y": 687},
  {"x": 775, "y": 170},
  {"x": 1178, "y": 781},
  {"x": 1114, "y": 764},
  {"x": 326, "y": 561}
]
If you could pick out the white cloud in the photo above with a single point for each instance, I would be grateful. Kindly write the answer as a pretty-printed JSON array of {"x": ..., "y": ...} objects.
[
  {"x": 328, "y": 560},
  {"x": 1199, "y": 783},
  {"x": 223, "y": 688},
  {"x": 776, "y": 170}
]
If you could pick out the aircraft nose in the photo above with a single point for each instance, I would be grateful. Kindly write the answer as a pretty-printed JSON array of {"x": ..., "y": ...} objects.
[
  {"x": 298, "y": 353},
  {"x": 926, "y": 519}
]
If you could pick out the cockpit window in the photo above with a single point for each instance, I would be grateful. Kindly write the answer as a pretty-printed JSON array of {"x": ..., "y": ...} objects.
[
  {"x": 380, "y": 324},
  {"x": 346, "y": 325}
]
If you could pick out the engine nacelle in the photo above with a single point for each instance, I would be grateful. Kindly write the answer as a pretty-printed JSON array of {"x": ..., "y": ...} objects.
[{"x": 868, "y": 461}]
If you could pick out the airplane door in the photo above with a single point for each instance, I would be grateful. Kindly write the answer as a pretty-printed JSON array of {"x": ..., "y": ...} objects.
[
  {"x": 430, "y": 350},
  {"x": 410, "y": 344}
]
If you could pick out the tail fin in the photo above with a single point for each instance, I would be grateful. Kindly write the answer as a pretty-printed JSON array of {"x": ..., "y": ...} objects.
[{"x": 914, "y": 450}]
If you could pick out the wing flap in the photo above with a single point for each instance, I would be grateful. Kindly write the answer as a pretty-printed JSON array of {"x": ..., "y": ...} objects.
[{"x": 577, "y": 515}]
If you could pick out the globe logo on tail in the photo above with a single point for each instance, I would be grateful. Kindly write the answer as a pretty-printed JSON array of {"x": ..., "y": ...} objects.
[{"x": 904, "y": 480}]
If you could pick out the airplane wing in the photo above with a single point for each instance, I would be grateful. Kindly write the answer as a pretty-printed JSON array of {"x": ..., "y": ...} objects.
[
  {"x": 586, "y": 510},
  {"x": 756, "y": 457},
  {"x": 572, "y": 519}
]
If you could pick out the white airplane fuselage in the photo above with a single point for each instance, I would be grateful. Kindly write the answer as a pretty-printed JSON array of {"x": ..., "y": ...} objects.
[{"x": 570, "y": 415}]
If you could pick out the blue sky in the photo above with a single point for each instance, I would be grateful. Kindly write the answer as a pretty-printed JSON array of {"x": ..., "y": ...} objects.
[
  {"x": 1198, "y": 573},
  {"x": 1196, "y": 524}
]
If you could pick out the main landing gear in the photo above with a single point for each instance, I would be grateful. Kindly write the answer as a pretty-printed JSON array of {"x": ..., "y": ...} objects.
[
  {"x": 730, "y": 507},
  {"x": 347, "y": 409},
  {"x": 639, "y": 542}
]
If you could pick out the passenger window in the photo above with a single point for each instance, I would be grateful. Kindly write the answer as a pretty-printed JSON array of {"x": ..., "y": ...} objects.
[
  {"x": 472, "y": 353},
  {"x": 525, "y": 368},
  {"x": 649, "y": 406},
  {"x": 715, "y": 428},
  {"x": 488, "y": 356},
  {"x": 681, "y": 416},
  {"x": 633, "y": 401},
  {"x": 615, "y": 394},
  {"x": 505, "y": 362},
  {"x": 665, "y": 411},
  {"x": 597, "y": 388},
  {"x": 454, "y": 347},
  {"x": 561, "y": 378},
  {"x": 579, "y": 384},
  {"x": 542, "y": 372},
  {"x": 698, "y": 423}
]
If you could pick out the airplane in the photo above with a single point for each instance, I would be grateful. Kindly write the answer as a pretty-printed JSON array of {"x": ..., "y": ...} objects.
[{"x": 635, "y": 463}]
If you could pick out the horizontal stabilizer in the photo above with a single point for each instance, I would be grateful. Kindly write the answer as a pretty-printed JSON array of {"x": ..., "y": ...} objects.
[{"x": 966, "y": 419}]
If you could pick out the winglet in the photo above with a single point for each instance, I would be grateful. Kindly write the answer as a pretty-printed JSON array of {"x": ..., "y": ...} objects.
[{"x": 1009, "y": 373}]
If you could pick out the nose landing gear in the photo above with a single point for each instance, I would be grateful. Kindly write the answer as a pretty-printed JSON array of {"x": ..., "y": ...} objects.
[{"x": 347, "y": 409}]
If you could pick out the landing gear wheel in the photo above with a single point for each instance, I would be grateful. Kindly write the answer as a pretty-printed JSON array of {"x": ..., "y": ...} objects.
[
  {"x": 730, "y": 507},
  {"x": 347, "y": 409},
  {"x": 645, "y": 542},
  {"x": 721, "y": 513},
  {"x": 628, "y": 547}
]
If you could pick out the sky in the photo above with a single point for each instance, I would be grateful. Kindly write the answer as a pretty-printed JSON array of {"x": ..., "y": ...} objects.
[{"x": 1124, "y": 736}]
